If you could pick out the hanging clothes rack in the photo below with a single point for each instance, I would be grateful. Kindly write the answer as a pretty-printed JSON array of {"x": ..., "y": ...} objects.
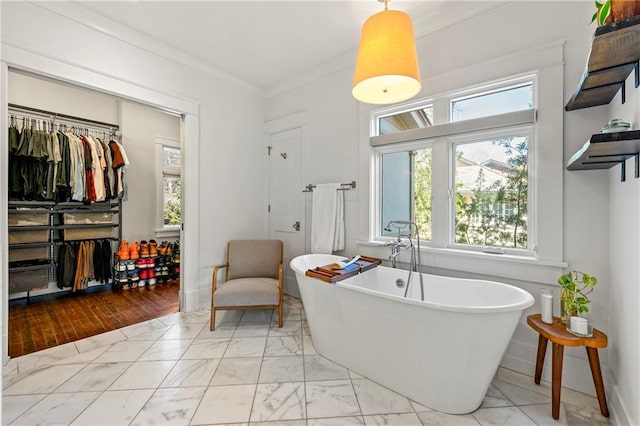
[
  {"x": 83, "y": 124},
  {"x": 343, "y": 186}
]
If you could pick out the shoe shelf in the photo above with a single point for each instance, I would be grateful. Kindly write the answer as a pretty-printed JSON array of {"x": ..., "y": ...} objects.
[
  {"x": 136, "y": 264},
  {"x": 615, "y": 52}
]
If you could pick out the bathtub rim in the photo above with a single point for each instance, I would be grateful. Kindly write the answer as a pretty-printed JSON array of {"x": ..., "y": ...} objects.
[{"x": 527, "y": 299}]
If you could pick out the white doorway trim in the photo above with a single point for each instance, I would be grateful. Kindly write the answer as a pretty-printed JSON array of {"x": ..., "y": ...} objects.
[{"x": 50, "y": 67}]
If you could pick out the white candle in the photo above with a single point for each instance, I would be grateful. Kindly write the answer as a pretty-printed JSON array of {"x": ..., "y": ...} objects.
[
  {"x": 580, "y": 325},
  {"x": 546, "y": 303}
]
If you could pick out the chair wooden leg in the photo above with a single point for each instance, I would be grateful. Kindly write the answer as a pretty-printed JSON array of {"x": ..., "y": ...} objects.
[
  {"x": 556, "y": 380},
  {"x": 280, "y": 315},
  {"x": 542, "y": 350},
  {"x": 594, "y": 363},
  {"x": 212, "y": 327}
]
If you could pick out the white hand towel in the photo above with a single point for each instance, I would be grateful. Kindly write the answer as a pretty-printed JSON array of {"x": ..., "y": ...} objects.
[
  {"x": 327, "y": 218},
  {"x": 338, "y": 235}
]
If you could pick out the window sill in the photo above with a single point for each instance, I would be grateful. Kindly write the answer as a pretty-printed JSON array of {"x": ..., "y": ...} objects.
[
  {"x": 525, "y": 268},
  {"x": 167, "y": 232}
]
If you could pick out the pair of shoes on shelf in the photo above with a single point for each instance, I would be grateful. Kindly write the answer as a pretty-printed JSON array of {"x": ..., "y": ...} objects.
[
  {"x": 164, "y": 248},
  {"x": 148, "y": 249},
  {"x": 144, "y": 263},
  {"x": 149, "y": 276}
]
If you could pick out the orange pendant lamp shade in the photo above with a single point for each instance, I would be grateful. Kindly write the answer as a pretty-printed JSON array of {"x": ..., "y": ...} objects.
[{"x": 387, "y": 66}]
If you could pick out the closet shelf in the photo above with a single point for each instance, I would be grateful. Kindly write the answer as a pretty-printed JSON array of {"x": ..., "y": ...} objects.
[
  {"x": 18, "y": 203},
  {"x": 33, "y": 267},
  {"x": 86, "y": 211},
  {"x": 80, "y": 205},
  {"x": 48, "y": 227},
  {"x": 30, "y": 245},
  {"x": 605, "y": 150},
  {"x": 615, "y": 52}
]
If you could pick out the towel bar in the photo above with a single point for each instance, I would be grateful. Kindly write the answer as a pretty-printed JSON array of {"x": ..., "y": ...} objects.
[{"x": 343, "y": 186}]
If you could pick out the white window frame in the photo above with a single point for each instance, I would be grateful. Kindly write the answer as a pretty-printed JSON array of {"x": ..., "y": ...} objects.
[
  {"x": 162, "y": 230},
  {"x": 521, "y": 130},
  {"x": 547, "y": 60},
  {"x": 443, "y": 133}
]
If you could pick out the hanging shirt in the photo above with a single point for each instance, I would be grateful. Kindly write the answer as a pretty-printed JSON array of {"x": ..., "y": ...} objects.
[
  {"x": 109, "y": 177},
  {"x": 96, "y": 167},
  {"x": 78, "y": 178}
]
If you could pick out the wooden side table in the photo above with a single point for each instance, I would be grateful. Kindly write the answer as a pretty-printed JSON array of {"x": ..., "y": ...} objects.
[{"x": 560, "y": 338}]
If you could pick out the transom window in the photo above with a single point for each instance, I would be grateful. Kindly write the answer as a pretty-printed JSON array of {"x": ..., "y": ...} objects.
[{"x": 474, "y": 146}]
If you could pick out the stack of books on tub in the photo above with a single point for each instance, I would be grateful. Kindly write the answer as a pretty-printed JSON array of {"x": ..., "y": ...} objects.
[{"x": 339, "y": 271}]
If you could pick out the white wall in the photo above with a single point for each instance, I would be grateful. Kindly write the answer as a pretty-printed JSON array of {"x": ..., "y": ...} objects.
[
  {"x": 229, "y": 139},
  {"x": 49, "y": 95},
  {"x": 140, "y": 126},
  {"x": 624, "y": 277},
  {"x": 336, "y": 125}
]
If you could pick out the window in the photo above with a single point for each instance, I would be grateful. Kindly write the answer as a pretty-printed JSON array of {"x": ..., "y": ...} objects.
[
  {"x": 406, "y": 189},
  {"x": 414, "y": 119},
  {"x": 478, "y": 155},
  {"x": 491, "y": 192},
  {"x": 171, "y": 186},
  {"x": 169, "y": 192},
  {"x": 492, "y": 103}
]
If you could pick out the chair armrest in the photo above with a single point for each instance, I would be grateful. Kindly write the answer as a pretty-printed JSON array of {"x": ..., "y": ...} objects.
[
  {"x": 214, "y": 276},
  {"x": 281, "y": 276}
]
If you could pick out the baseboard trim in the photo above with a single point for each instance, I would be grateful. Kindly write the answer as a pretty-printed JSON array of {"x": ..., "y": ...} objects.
[
  {"x": 580, "y": 383},
  {"x": 619, "y": 414},
  {"x": 191, "y": 300}
]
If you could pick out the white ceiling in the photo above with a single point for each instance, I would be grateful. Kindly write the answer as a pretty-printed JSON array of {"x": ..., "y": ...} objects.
[{"x": 268, "y": 44}]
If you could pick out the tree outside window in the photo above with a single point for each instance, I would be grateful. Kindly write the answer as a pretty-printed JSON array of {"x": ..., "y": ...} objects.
[
  {"x": 492, "y": 192},
  {"x": 171, "y": 186}
]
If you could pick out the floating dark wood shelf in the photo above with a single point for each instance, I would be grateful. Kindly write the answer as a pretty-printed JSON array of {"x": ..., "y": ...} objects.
[
  {"x": 615, "y": 52},
  {"x": 605, "y": 150}
]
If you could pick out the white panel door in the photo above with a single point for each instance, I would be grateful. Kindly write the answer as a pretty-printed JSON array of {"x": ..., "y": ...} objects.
[{"x": 286, "y": 200}]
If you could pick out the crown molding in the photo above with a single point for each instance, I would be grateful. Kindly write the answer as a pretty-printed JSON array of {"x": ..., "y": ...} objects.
[
  {"x": 453, "y": 13},
  {"x": 80, "y": 14}
]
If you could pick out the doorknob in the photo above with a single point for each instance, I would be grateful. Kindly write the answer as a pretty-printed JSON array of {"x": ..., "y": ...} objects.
[{"x": 296, "y": 226}]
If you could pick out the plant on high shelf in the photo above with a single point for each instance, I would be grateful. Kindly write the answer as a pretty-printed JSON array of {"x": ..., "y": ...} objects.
[
  {"x": 610, "y": 11},
  {"x": 576, "y": 287}
]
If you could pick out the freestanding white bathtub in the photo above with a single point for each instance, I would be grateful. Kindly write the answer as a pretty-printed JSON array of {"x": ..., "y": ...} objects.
[{"x": 442, "y": 353}]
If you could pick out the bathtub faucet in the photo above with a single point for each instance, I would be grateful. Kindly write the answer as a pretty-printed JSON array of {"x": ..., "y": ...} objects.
[
  {"x": 395, "y": 250},
  {"x": 416, "y": 260}
]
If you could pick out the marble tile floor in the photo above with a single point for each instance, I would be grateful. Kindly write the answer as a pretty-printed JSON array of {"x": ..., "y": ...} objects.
[{"x": 173, "y": 371}]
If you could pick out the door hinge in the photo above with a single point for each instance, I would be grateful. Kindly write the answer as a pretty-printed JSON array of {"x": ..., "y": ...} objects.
[
  {"x": 269, "y": 208},
  {"x": 269, "y": 150}
]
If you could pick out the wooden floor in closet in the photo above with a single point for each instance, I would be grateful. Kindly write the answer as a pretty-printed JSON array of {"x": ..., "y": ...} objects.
[{"x": 51, "y": 321}]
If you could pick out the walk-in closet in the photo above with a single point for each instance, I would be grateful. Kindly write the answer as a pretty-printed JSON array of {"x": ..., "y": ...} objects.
[{"x": 94, "y": 213}]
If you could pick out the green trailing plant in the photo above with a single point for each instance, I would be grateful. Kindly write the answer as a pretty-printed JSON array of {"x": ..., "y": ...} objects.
[
  {"x": 603, "y": 10},
  {"x": 576, "y": 287}
]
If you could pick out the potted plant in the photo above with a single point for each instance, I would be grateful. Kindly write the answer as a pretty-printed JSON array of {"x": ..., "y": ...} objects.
[
  {"x": 574, "y": 300},
  {"x": 610, "y": 11}
]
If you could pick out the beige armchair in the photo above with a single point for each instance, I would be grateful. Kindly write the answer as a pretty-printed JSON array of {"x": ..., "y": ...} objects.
[{"x": 253, "y": 278}]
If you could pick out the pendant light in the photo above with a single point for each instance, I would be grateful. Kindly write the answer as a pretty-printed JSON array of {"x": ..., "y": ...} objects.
[{"x": 387, "y": 66}]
